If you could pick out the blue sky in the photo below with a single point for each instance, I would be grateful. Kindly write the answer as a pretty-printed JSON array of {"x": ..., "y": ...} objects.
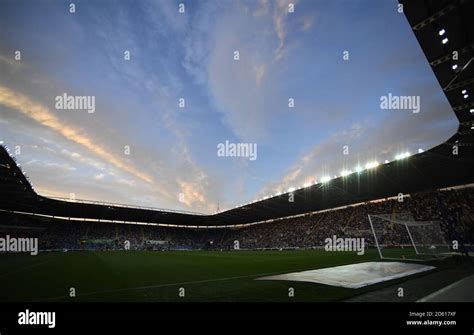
[{"x": 174, "y": 151}]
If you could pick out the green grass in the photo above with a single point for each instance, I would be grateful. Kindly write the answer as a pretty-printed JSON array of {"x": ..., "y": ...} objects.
[{"x": 157, "y": 276}]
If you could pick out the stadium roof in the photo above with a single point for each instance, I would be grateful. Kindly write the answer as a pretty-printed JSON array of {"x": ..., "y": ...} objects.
[
  {"x": 449, "y": 164},
  {"x": 433, "y": 21}
]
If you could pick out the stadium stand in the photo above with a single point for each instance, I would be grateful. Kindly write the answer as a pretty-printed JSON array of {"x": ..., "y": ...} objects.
[{"x": 453, "y": 207}]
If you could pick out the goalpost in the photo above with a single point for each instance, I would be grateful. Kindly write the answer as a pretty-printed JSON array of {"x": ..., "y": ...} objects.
[{"x": 398, "y": 236}]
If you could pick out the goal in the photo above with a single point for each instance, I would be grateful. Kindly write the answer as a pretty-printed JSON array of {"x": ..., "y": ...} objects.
[{"x": 399, "y": 236}]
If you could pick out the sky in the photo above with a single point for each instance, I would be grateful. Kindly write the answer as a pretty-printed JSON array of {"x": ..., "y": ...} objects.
[{"x": 140, "y": 147}]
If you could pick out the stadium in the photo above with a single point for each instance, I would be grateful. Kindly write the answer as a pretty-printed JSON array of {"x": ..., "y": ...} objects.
[{"x": 386, "y": 230}]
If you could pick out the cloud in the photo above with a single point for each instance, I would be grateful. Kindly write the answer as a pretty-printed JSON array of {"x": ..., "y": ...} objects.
[
  {"x": 43, "y": 116},
  {"x": 260, "y": 73},
  {"x": 242, "y": 90},
  {"x": 318, "y": 161},
  {"x": 280, "y": 16},
  {"x": 163, "y": 16},
  {"x": 76, "y": 157},
  {"x": 99, "y": 176},
  {"x": 194, "y": 183},
  {"x": 12, "y": 63},
  {"x": 307, "y": 23},
  {"x": 399, "y": 132},
  {"x": 191, "y": 193},
  {"x": 164, "y": 82},
  {"x": 197, "y": 42},
  {"x": 250, "y": 92},
  {"x": 263, "y": 7}
]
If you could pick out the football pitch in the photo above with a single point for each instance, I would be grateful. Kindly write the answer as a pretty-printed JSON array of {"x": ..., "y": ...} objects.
[{"x": 180, "y": 276}]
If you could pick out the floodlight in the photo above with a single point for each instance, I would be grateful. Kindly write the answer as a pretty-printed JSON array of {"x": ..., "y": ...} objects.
[
  {"x": 345, "y": 173},
  {"x": 402, "y": 155},
  {"x": 371, "y": 165},
  {"x": 325, "y": 179}
]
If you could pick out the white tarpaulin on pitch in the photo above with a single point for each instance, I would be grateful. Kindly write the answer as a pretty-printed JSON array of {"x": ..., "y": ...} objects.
[{"x": 355, "y": 275}]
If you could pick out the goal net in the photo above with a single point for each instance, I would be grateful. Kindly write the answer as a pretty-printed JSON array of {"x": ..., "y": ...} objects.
[{"x": 398, "y": 236}]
